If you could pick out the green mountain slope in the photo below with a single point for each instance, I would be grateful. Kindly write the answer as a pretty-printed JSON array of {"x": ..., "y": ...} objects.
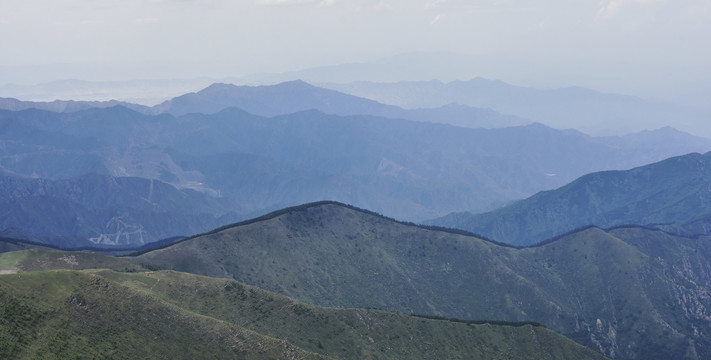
[
  {"x": 177, "y": 315},
  {"x": 629, "y": 294},
  {"x": 69, "y": 314},
  {"x": 672, "y": 194},
  {"x": 39, "y": 260}
]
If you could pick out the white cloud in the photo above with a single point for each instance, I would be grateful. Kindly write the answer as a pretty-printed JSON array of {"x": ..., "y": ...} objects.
[{"x": 436, "y": 19}]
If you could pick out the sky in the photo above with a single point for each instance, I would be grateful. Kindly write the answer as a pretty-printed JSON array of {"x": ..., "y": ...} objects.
[{"x": 627, "y": 46}]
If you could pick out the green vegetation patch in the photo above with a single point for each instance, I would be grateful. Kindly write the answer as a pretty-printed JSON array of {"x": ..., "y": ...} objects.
[
  {"x": 165, "y": 314},
  {"x": 68, "y": 314}
]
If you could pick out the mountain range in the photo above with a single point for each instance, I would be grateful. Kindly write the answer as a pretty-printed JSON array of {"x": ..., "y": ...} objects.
[
  {"x": 295, "y": 96},
  {"x": 281, "y": 99},
  {"x": 628, "y": 292},
  {"x": 673, "y": 195},
  {"x": 583, "y": 109},
  {"x": 244, "y": 165},
  {"x": 63, "y": 105},
  {"x": 113, "y": 243}
]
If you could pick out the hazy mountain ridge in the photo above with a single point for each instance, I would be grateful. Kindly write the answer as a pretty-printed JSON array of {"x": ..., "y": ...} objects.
[
  {"x": 177, "y": 315},
  {"x": 65, "y": 105},
  {"x": 615, "y": 291},
  {"x": 482, "y": 103},
  {"x": 99, "y": 210},
  {"x": 252, "y": 164},
  {"x": 574, "y": 107},
  {"x": 281, "y": 99},
  {"x": 295, "y": 96},
  {"x": 143, "y": 92},
  {"x": 672, "y": 195}
]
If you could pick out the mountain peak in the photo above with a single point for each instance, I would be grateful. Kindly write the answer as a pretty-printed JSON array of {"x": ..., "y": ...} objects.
[
  {"x": 221, "y": 88},
  {"x": 297, "y": 82},
  {"x": 217, "y": 88}
]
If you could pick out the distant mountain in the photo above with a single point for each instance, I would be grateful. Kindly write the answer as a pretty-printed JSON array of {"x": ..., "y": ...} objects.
[
  {"x": 476, "y": 103},
  {"x": 281, "y": 99},
  {"x": 65, "y": 105},
  {"x": 672, "y": 195},
  {"x": 143, "y": 92},
  {"x": 630, "y": 293},
  {"x": 271, "y": 100},
  {"x": 295, "y": 96},
  {"x": 578, "y": 108},
  {"x": 251, "y": 164},
  {"x": 101, "y": 313},
  {"x": 99, "y": 210}
]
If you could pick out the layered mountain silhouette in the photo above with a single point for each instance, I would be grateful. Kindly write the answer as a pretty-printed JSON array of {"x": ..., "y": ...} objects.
[
  {"x": 295, "y": 96},
  {"x": 252, "y": 164},
  {"x": 473, "y": 103},
  {"x": 574, "y": 107},
  {"x": 65, "y": 105},
  {"x": 616, "y": 260},
  {"x": 285, "y": 98},
  {"x": 673, "y": 195}
]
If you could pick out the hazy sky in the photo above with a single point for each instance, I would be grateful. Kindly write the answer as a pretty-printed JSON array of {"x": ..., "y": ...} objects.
[{"x": 586, "y": 42}]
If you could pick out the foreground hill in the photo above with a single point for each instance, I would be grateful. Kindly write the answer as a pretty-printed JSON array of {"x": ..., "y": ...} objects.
[
  {"x": 181, "y": 316},
  {"x": 629, "y": 293},
  {"x": 672, "y": 195}
]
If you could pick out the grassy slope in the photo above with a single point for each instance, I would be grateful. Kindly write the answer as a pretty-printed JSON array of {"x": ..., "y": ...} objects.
[
  {"x": 600, "y": 288},
  {"x": 68, "y": 314},
  {"x": 176, "y": 315},
  {"x": 37, "y": 260}
]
